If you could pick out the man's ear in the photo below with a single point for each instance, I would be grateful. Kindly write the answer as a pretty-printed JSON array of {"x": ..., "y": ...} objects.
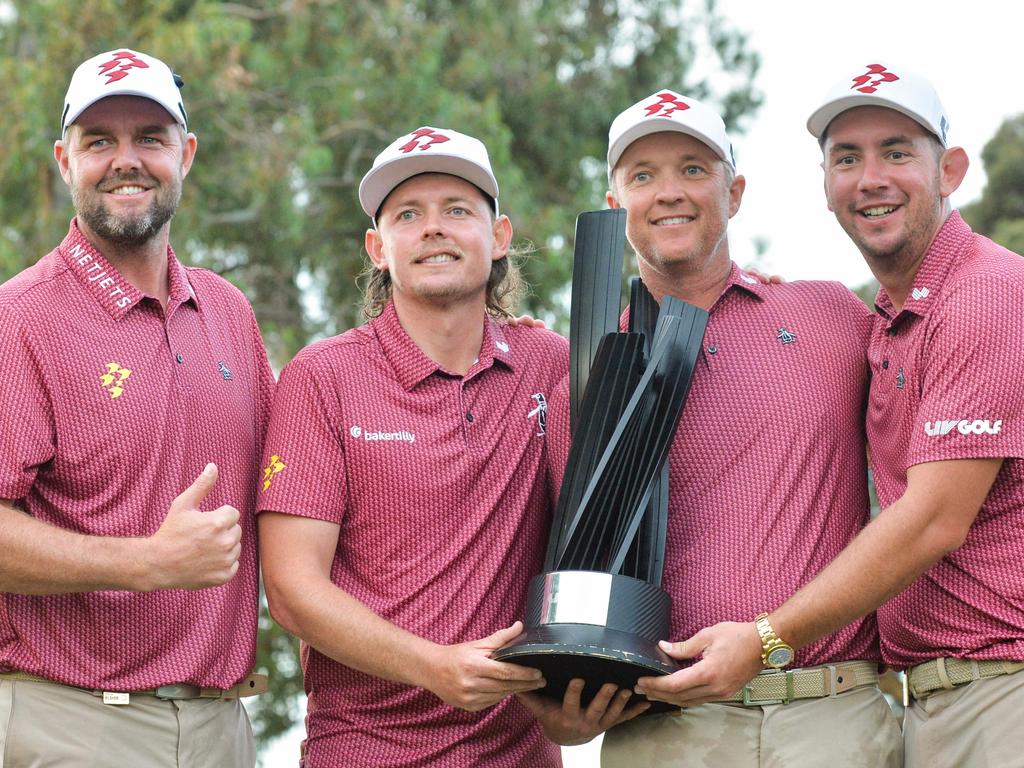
[
  {"x": 61, "y": 155},
  {"x": 952, "y": 170},
  {"x": 739, "y": 184},
  {"x": 502, "y": 237},
  {"x": 375, "y": 249},
  {"x": 188, "y": 153}
]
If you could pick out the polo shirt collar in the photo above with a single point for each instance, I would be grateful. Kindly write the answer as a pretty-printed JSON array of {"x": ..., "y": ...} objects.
[
  {"x": 949, "y": 248},
  {"x": 107, "y": 286},
  {"x": 741, "y": 283},
  {"x": 411, "y": 365}
]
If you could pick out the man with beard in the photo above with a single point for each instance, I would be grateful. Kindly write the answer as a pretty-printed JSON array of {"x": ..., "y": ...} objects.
[
  {"x": 135, "y": 393},
  {"x": 942, "y": 423}
]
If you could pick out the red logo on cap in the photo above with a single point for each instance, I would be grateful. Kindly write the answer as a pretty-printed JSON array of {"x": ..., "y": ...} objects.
[
  {"x": 431, "y": 136},
  {"x": 666, "y": 106},
  {"x": 874, "y": 77},
  {"x": 119, "y": 66}
]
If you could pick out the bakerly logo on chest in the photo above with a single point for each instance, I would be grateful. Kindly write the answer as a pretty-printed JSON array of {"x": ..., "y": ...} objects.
[
  {"x": 963, "y": 426},
  {"x": 400, "y": 436}
]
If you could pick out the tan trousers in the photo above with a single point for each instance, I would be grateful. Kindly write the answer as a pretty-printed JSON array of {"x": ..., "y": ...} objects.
[
  {"x": 856, "y": 729},
  {"x": 971, "y": 726},
  {"x": 43, "y": 725}
]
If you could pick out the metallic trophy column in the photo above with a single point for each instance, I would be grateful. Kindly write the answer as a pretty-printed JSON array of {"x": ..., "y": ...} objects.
[{"x": 597, "y": 612}]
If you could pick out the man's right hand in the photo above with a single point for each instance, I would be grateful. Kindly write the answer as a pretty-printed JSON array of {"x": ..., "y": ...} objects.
[
  {"x": 194, "y": 549},
  {"x": 466, "y": 677}
]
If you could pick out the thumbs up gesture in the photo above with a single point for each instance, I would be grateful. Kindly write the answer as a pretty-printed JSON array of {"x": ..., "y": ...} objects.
[{"x": 194, "y": 549}]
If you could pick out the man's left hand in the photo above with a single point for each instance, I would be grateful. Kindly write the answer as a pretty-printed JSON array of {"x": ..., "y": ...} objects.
[
  {"x": 730, "y": 657},
  {"x": 566, "y": 724}
]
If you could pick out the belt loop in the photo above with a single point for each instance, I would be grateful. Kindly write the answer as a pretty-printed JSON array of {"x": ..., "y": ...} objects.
[
  {"x": 940, "y": 669},
  {"x": 831, "y": 678}
]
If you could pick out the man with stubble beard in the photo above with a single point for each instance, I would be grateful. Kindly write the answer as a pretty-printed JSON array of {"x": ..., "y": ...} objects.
[{"x": 128, "y": 572}]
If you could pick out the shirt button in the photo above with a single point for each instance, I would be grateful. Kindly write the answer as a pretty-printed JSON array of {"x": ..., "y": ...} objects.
[
  {"x": 885, "y": 364},
  {"x": 891, "y": 331},
  {"x": 179, "y": 357},
  {"x": 712, "y": 349},
  {"x": 469, "y": 417}
]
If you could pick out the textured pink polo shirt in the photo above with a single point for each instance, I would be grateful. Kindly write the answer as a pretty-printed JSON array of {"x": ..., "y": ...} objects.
[
  {"x": 767, "y": 477},
  {"x": 439, "y": 485},
  {"x": 948, "y": 383},
  {"x": 112, "y": 408}
]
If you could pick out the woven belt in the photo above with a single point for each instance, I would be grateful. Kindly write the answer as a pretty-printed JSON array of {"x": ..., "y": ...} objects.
[
  {"x": 252, "y": 685},
  {"x": 783, "y": 686},
  {"x": 948, "y": 673}
]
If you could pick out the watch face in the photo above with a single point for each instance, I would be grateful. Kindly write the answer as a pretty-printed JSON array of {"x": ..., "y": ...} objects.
[{"x": 780, "y": 657}]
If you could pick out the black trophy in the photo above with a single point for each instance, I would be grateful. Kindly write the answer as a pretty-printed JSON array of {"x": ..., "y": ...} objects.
[{"x": 598, "y": 610}]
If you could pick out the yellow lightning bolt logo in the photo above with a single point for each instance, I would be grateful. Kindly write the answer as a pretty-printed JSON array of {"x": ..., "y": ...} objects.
[
  {"x": 275, "y": 466},
  {"x": 113, "y": 380}
]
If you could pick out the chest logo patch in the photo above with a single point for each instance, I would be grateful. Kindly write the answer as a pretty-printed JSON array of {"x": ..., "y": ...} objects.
[
  {"x": 114, "y": 378},
  {"x": 401, "y": 436},
  {"x": 271, "y": 470},
  {"x": 224, "y": 371},
  {"x": 540, "y": 412},
  {"x": 920, "y": 293},
  {"x": 901, "y": 380},
  {"x": 786, "y": 336}
]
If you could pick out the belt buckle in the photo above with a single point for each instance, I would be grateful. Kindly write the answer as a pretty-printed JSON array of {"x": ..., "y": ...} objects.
[
  {"x": 177, "y": 691},
  {"x": 749, "y": 702}
]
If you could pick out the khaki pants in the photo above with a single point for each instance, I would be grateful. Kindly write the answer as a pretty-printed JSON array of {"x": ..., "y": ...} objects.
[
  {"x": 853, "y": 729},
  {"x": 976, "y": 725},
  {"x": 44, "y": 725}
]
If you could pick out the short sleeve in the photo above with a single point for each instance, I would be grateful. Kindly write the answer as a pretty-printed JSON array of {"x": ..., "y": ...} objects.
[
  {"x": 303, "y": 471},
  {"x": 27, "y": 432},
  {"x": 972, "y": 400}
]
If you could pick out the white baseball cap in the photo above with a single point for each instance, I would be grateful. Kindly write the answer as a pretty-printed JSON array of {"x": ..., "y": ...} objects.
[
  {"x": 667, "y": 110},
  {"x": 883, "y": 85},
  {"x": 123, "y": 72},
  {"x": 427, "y": 150}
]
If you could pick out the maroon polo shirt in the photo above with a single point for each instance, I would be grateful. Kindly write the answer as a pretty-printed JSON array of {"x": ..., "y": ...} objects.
[
  {"x": 438, "y": 484},
  {"x": 112, "y": 407},
  {"x": 948, "y": 372},
  {"x": 767, "y": 474}
]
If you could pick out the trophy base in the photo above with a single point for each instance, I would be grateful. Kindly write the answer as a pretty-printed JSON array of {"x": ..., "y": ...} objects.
[{"x": 596, "y": 654}]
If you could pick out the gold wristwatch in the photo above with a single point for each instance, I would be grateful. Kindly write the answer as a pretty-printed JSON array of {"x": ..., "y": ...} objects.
[{"x": 775, "y": 652}]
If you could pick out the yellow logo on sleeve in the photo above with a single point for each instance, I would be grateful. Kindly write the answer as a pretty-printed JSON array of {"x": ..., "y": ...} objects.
[
  {"x": 113, "y": 380},
  {"x": 275, "y": 466}
]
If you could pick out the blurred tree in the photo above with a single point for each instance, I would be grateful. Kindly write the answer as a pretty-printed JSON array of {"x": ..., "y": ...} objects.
[
  {"x": 999, "y": 212},
  {"x": 291, "y": 101}
]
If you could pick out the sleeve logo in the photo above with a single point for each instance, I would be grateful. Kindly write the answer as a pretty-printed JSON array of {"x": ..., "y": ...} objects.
[
  {"x": 113, "y": 380},
  {"x": 963, "y": 426},
  {"x": 271, "y": 470}
]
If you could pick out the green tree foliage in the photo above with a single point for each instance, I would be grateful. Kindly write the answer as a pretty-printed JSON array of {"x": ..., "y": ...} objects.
[
  {"x": 999, "y": 212},
  {"x": 292, "y": 99}
]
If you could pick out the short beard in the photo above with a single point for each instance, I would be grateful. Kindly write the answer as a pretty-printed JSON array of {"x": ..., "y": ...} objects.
[{"x": 130, "y": 232}]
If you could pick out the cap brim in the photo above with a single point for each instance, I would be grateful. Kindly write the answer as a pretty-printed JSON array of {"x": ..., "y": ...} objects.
[
  {"x": 172, "y": 109},
  {"x": 658, "y": 125},
  {"x": 380, "y": 181},
  {"x": 819, "y": 121}
]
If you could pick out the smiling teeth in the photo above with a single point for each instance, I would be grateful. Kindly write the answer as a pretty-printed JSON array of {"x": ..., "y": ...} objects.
[
  {"x": 129, "y": 191},
  {"x": 438, "y": 258},
  {"x": 881, "y": 210},
  {"x": 674, "y": 220}
]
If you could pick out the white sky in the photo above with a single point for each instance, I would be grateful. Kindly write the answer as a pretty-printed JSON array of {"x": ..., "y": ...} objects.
[{"x": 970, "y": 51}]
